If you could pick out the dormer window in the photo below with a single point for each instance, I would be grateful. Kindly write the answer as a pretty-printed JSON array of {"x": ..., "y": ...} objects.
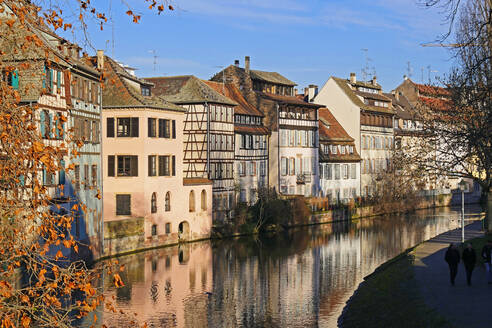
[{"x": 145, "y": 91}]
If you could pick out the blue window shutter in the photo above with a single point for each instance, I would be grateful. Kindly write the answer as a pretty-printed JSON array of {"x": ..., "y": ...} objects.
[
  {"x": 44, "y": 77},
  {"x": 44, "y": 177},
  {"x": 61, "y": 174},
  {"x": 58, "y": 81},
  {"x": 57, "y": 123},
  {"x": 51, "y": 80},
  {"x": 15, "y": 79},
  {"x": 22, "y": 179},
  {"x": 41, "y": 122},
  {"x": 50, "y": 121}
]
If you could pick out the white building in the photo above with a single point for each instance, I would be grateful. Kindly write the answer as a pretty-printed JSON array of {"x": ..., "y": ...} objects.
[
  {"x": 339, "y": 162},
  {"x": 367, "y": 115}
]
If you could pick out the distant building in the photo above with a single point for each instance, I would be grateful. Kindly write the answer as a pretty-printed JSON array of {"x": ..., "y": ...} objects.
[
  {"x": 293, "y": 144},
  {"x": 339, "y": 162},
  {"x": 208, "y": 135},
  {"x": 367, "y": 115},
  {"x": 146, "y": 186},
  {"x": 251, "y": 145}
]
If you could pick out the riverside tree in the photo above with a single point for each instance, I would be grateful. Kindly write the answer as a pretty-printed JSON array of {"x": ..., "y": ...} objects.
[
  {"x": 39, "y": 285},
  {"x": 461, "y": 125}
]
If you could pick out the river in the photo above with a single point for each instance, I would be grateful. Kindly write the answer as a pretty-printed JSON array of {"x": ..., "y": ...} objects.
[{"x": 299, "y": 278}]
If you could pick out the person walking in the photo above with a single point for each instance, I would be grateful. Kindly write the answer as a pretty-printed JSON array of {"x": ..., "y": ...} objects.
[
  {"x": 486, "y": 250},
  {"x": 453, "y": 258},
  {"x": 469, "y": 259}
]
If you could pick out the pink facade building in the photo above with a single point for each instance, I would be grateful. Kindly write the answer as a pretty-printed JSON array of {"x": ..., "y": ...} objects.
[{"x": 147, "y": 201}]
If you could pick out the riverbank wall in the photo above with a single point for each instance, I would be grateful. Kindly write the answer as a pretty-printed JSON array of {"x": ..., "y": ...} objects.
[{"x": 127, "y": 236}]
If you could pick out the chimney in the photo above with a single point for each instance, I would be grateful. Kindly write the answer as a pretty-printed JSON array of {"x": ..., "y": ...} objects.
[
  {"x": 374, "y": 80},
  {"x": 405, "y": 77},
  {"x": 236, "y": 63},
  {"x": 353, "y": 79},
  {"x": 100, "y": 60},
  {"x": 246, "y": 64},
  {"x": 312, "y": 92}
]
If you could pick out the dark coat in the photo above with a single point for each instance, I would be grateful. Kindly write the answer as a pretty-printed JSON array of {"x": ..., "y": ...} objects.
[
  {"x": 452, "y": 256},
  {"x": 469, "y": 257},
  {"x": 486, "y": 250}
]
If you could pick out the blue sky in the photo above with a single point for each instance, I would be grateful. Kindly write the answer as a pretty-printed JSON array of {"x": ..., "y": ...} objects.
[{"x": 305, "y": 40}]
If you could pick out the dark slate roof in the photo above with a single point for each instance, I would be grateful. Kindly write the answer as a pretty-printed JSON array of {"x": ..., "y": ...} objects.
[
  {"x": 118, "y": 92},
  {"x": 293, "y": 100},
  {"x": 344, "y": 85},
  {"x": 402, "y": 106},
  {"x": 272, "y": 77},
  {"x": 187, "y": 89}
]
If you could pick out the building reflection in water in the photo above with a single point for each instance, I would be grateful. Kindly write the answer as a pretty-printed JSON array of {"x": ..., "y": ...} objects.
[{"x": 301, "y": 278}]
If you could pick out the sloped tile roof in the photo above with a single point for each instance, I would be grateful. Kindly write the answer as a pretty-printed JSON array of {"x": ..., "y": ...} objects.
[
  {"x": 230, "y": 91},
  {"x": 187, "y": 90},
  {"x": 433, "y": 91},
  {"x": 330, "y": 129},
  {"x": 344, "y": 85},
  {"x": 118, "y": 92},
  {"x": 438, "y": 104},
  {"x": 402, "y": 106},
  {"x": 272, "y": 77}
]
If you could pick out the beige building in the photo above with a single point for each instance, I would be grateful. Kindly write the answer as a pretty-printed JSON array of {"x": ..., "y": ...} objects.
[
  {"x": 367, "y": 116},
  {"x": 144, "y": 183}
]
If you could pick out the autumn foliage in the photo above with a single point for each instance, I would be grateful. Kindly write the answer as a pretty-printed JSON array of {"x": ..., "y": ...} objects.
[{"x": 41, "y": 284}]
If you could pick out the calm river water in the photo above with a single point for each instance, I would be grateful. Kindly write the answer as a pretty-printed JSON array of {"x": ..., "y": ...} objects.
[{"x": 301, "y": 278}]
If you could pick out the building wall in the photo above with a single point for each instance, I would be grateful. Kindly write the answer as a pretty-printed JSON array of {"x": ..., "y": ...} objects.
[
  {"x": 249, "y": 183},
  {"x": 345, "y": 112},
  {"x": 143, "y": 186},
  {"x": 344, "y": 186}
]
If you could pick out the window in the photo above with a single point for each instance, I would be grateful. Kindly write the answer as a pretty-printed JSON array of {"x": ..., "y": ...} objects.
[
  {"x": 353, "y": 171},
  {"x": 164, "y": 166},
  {"x": 127, "y": 127},
  {"x": 342, "y": 150},
  {"x": 77, "y": 177},
  {"x": 242, "y": 195},
  {"x": 154, "y": 230},
  {"x": 333, "y": 149},
  {"x": 262, "y": 168},
  {"x": 167, "y": 202},
  {"x": 152, "y": 129},
  {"x": 284, "y": 163},
  {"x": 152, "y": 165},
  {"x": 292, "y": 166},
  {"x": 173, "y": 129},
  {"x": 337, "y": 171},
  {"x": 203, "y": 200},
  {"x": 192, "y": 201},
  {"x": 164, "y": 128},
  {"x": 252, "y": 168},
  {"x": 94, "y": 132},
  {"x": 94, "y": 175},
  {"x": 168, "y": 228},
  {"x": 48, "y": 79},
  {"x": 298, "y": 166},
  {"x": 328, "y": 172},
  {"x": 45, "y": 124},
  {"x": 242, "y": 169},
  {"x": 123, "y": 206},
  {"x": 127, "y": 166},
  {"x": 110, "y": 127},
  {"x": 153, "y": 203},
  {"x": 145, "y": 91},
  {"x": 345, "y": 169},
  {"x": 111, "y": 166}
]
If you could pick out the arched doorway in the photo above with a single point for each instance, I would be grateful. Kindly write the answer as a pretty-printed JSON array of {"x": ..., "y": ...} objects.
[{"x": 184, "y": 230}]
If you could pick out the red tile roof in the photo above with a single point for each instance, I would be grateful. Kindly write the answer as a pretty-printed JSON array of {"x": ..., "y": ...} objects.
[
  {"x": 433, "y": 91},
  {"x": 335, "y": 131},
  {"x": 230, "y": 91},
  {"x": 436, "y": 103}
]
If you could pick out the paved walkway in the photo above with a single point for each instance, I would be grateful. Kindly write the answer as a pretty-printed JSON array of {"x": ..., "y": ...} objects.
[{"x": 462, "y": 305}]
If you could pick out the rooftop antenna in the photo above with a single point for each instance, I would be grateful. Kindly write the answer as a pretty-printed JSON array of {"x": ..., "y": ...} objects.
[
  {"x": 365, "y": 70},
  {"x": 409, "y": 70},
  {"x": 154, "y": 53}
]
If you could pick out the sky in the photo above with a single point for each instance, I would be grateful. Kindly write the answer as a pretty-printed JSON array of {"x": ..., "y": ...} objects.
[{"x": 306, "y": 41}]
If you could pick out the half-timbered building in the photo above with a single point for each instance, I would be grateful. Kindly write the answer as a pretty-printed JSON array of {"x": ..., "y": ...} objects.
[
  {"x": 251, "y": 145},
  {"x": 367, "y": 115},
  {"x": 46, "y": 84},
  {"x": 145, "y": 182},
  {"x": 293, "y": 123},
  {"x": 208, "y": 135}
]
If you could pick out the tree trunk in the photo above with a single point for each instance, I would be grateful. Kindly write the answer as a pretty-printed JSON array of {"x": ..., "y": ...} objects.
[{"x": 488, "y": 212}]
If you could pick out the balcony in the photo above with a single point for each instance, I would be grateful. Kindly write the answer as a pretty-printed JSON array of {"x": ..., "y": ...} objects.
[{"x": 303, "y": 178}]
